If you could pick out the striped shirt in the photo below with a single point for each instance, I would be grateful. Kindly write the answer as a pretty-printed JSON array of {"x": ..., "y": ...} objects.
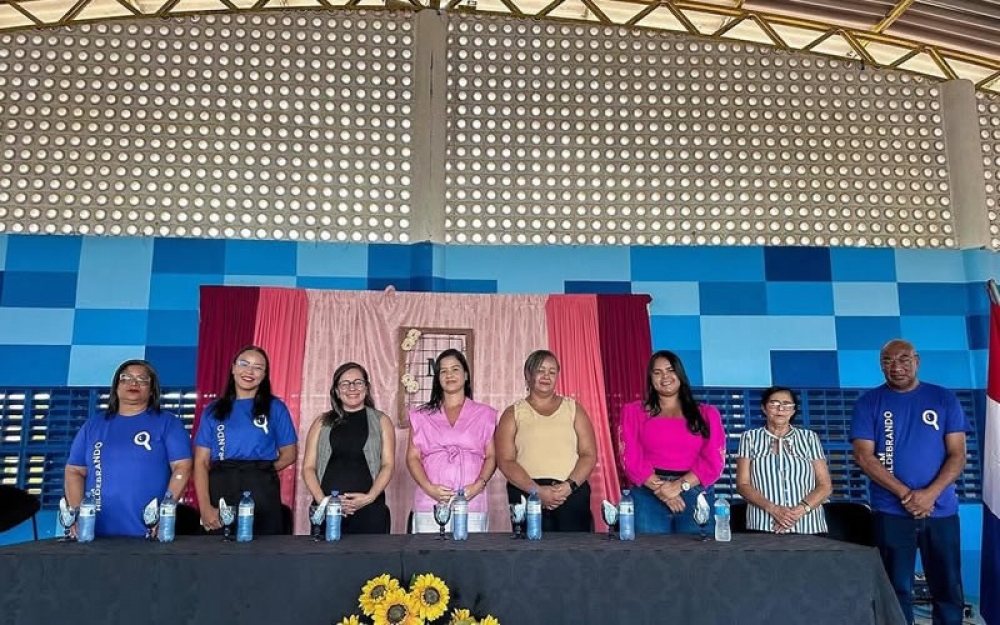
[{"x": 781, "y": 469}]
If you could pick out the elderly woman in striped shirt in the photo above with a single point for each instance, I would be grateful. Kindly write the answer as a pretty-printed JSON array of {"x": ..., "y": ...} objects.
[{"x": 781, "y": 471}]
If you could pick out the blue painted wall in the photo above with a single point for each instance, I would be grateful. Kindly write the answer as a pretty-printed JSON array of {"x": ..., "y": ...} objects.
[{"x": 73, "y": 307}]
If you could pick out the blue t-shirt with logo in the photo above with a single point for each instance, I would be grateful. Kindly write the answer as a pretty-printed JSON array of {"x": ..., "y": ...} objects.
[
  {"x": 909, "y": 431},
  {"x": 246, "y": 437},
  {"x": 128, "y": 464}
]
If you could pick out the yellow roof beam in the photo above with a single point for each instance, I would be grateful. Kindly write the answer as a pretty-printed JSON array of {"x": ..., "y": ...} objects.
[{"x": 894, "y": 14}]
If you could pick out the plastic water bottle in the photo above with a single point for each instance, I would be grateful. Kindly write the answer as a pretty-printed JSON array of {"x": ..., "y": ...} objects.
[
  {"x": 87, "y": 518},
  {"x": 626, "y": 516},
  {"x": 244, "y": 519},
  {"x": 460, "y": 516},
  {"x": 723, "y": 532},
  {"x": 334, "y": 514},
  {"x": 533, "y": 515},
  {"x": 168, "y": 518}
]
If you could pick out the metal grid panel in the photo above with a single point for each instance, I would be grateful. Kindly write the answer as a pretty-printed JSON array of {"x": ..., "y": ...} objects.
[
  {"x": 828, "y": 413},
  {"x": 39, "y": 426},
  {"x": 56, "y": 415},
  {"x": 253, "y": 126},
  {"x": 572, "y": 134}
]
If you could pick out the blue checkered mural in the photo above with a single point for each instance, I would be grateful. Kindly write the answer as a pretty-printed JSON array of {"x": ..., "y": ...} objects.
[{"x": 72, "y": 307}]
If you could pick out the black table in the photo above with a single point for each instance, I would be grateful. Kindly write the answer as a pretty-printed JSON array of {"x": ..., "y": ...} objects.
[{"x": 571, "y": 578}]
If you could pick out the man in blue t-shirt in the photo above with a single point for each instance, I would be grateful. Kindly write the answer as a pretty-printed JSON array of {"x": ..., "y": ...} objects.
[{"x": 909, "y": 439}]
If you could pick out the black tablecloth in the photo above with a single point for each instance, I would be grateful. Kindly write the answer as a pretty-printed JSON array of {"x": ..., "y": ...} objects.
[
  {"x": 661, "y": 580},
  {"x": 581, "y": 578}
]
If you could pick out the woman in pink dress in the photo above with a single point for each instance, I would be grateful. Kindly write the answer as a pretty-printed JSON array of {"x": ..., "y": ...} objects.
[{"x": 451, "y": 445}]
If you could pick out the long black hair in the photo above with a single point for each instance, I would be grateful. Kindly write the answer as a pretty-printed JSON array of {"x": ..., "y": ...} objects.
[
  {"x": 437, "y": 391},
  {"x": 696, "y": 423},
  {"x": 336, "y": 415},
  {"x": 153, "y": 405},
  {"x": 223, "y": 406},
  {"x": 765, "y": 397}
]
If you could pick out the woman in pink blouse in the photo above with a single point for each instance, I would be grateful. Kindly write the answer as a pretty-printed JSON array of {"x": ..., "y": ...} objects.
[
  {"x": 672, "y": 449},
  {"x": 451, "y": 445}
]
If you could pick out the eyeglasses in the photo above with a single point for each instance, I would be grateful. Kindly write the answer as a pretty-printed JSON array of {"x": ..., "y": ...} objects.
[
  {"x": 128, "y": 378},
  {"x": 346, "y": 385},
  {"x": 774, "y": 404},
  {"x": 903, "y": 361},
  {"x": 246, "y": 364}
]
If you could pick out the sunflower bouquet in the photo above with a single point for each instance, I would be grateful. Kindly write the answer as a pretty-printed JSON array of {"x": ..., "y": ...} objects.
[{"x": 386, "y": 602}]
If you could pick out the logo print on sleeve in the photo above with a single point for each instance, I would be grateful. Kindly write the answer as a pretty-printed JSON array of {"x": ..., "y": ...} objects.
[
  {"x": 142, "y": 440},
  {"x": 886, "y": 457}
]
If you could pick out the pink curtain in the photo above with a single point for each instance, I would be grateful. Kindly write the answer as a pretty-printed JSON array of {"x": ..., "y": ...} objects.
[
  {"x": 281, "y": 330},
  {"x": 574, "y": 337},
  {"x": 226, "y": 319},
  {"x": 625, "y": 348},
  {"x": 363, "y": 326}
]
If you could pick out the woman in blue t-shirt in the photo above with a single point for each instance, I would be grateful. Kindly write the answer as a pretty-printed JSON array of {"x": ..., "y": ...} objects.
[
  {"x": 244, "y": 439},
  {"x": 130, "y": 454}
]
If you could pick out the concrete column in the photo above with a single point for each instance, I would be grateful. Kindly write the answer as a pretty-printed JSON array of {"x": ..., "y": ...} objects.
[
  {"x": 966, "y": 175},
  {"x": 429, "y": 126}
]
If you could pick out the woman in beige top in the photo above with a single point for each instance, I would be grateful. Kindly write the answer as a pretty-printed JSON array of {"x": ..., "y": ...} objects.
[{"x": 545, "y": 442}]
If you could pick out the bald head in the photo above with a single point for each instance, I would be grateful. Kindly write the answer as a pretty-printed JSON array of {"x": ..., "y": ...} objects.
[{"x": 900, "y": 361}]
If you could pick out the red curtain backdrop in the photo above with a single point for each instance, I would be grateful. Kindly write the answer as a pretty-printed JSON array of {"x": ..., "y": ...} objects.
[
  {"x": 574, "y": 337},
  {"x": 227, "y": 319},
  {"x": 625, "y": 348},
  {"x": 282, "y": 315}
]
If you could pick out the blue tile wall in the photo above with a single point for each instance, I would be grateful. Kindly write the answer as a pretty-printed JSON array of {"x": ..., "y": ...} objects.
[
  {"x": 43, "y": 253},
  {"x": 39, "y": 289},
  {"x": 73, "y": 307},
  {"x": 797, "y": 264},
  {"x": 851, "y": 264}
]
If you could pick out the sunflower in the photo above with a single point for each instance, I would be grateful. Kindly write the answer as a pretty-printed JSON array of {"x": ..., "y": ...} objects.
[
  {"x": 397, "y": 608},
  {"x": 460, "y": 615},
  {"x": 489, "y": 620},
  {"x": 430, "y": 594},
  {"x": 375, "y": 591},
  {"x": 350, "y": 620}
]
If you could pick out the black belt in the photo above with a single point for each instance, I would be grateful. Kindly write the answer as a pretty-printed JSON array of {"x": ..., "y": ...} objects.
[
  {"x": 245, "y": 465},
  {"x": 670, "y": 476}
]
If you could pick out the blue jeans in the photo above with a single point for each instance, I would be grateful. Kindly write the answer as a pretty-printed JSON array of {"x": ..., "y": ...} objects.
[
  {"x": 652, "y": 516},
  {"x": 898, "y": 538}
]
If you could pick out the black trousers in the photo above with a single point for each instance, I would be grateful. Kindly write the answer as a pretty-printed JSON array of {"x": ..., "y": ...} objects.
[
  {"x": 573, "y": 516},
  {"x": 229, "y": 478}
]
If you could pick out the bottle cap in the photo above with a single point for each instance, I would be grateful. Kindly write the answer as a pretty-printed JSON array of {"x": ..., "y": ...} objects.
[
  {"x": 246, "y": 493},
  {"x": 335, "y": 493}
]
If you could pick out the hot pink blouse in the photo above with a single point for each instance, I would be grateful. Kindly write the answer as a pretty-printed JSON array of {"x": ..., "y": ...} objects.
[
  {"x": 650, "y": 443},
  {"x": 452, "y": 455}
]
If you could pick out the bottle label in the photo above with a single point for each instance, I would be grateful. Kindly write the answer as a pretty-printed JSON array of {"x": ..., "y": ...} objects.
[
  {"x": 627, "y": 508},
  {"x": 87, "y": 511},
  {"x": 246, "y": 511},
  {"x": 534, "y": 507}
]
